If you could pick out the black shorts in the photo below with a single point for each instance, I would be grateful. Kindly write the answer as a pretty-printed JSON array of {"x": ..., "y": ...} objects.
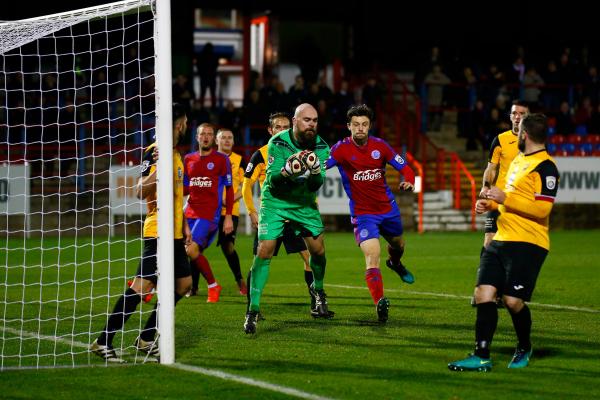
[
  {"x": 293, "y": 243},
  {"x": 511, "y": 267},
  {"x": 223, "y": 238},
  {"x": 147, "y": 268},
  {"x": 490, "y": 221}
]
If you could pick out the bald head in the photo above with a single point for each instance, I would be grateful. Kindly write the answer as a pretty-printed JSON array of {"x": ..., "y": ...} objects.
[{"x": 305, "y": 123}]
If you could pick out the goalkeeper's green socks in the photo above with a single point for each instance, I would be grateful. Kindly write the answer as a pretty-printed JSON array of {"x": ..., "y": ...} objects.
[
  {"x": 258, "y": 280},
  {"x": 317, "y": 264}
]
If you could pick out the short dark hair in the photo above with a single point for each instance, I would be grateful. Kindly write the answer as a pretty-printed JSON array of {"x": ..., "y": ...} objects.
[
  {"x": 276, "y": 115},
  {"x": 521, "y": 103},
  {"x": 536, "y": 126},
  {"x": 359, "y": 111},
  {"x": 178, "y": 112}
]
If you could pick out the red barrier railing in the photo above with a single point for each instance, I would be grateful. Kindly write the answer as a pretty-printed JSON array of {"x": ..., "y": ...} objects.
[
  {"x": 457, "y": 167},
  {"x": 419, "y": 170}
]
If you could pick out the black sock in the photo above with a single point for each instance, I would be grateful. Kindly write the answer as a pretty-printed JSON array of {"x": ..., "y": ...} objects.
[
  {"x": 308, "y": 278},
  {"x": 149, "y": 332},
  {"x": 124, "y": 307},
  {"x": 233, "y": 260},
  {"x": 522, "y": 325},
  {"x": 248, "y": 294},
  {"x": 195, "y": 277},
  {"x": 485, "y": 326}
]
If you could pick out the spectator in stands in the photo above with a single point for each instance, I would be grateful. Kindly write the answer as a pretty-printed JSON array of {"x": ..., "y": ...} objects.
[
  {"x": 477, "y": 131},
  {"x": 67, "y": 135},
  {"x": 325, "y": 91},
  {"x": 595, "y": 121},
  {"x": 465, "y": 95},
  {"x": 254, "y": 115},
  {"x": 207, "y": 65},
  {"x": 564, "y": 120},
  {"x": 230, "y": 118},
  {"x": 342, "y": 101},
  {"x": 268, "y": 93},
  {"x": 583, "y": 115},
  {"x": 435, "y": 82},
  {"x": 281, "y": 100},
  {"x": 551, "y": 92},
  {"x": 313, "y": 97},
  {"x": 183, "y": 92},
  {"x": 326, "y": 130},
  {"x": 297, "y": 92},
  {"x": 591, "y": 84},
  {"x": 372, "y": 95},
  {"x": 491, "y": 84},
  {"x": 532, "y": 82}
]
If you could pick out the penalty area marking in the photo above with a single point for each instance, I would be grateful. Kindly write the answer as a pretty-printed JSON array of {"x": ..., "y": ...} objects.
[
  {"x": 455, "y": 296},
  {"x": 184, "y": 367},
  {"x": 249, "y": 381}
]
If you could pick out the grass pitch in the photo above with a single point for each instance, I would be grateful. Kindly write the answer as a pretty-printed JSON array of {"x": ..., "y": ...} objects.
[{"x": 349, "y": 357}]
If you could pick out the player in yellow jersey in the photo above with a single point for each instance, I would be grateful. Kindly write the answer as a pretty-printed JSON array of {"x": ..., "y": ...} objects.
[
  {"x": 502, "y": 151},
  {"x": 512, "y": 261},
  {"x": 256, "y": 170},
  {"x": 146, "y": 276},
  {"x": 225, "y": 142}
]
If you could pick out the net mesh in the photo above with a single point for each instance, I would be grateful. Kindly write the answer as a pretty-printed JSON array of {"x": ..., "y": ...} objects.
[{"x": 76, "y": 110}]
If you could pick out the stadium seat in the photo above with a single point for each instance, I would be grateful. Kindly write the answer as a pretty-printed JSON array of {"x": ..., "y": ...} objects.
[
  {"x": 593, "y": 139},
  {"x": 568, "y": 149},
  {"x": 557, "y": 139},
  {"x": 575, "y": 139},
  {"x": 581, "y": 130},
  {"x": 551, "y": 148},
  {"x": 585, "y": 149},
  {"x": 551, "y": 131}
]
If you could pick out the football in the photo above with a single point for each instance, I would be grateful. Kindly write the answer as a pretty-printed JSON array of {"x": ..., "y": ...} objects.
[{"x": 296, "y": 165}]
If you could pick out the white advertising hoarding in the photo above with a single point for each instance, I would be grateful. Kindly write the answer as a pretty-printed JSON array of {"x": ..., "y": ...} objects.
[
  {"x": 122, "y": 182},
  {"x": 14, "y": 189},
  {"x": 579, "y": 180}
]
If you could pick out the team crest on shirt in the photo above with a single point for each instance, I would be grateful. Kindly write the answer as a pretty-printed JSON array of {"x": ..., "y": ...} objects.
[
  {"x": 364, "y": 233},
  {"x": 210, "y": 165},
  {"x": 375, "y": 154},
  {"x": 271, "y": 159},
  {"x": 145, "y": 165},
  {"x": 399, "y": 159},
  {"x": 249, "y": 167},
  {"x": 550, "y": 182},
  {"x": 179, "y": 173}
]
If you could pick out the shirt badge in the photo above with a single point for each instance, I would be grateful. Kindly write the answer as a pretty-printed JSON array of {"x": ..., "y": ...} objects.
[
  {"x": 210, "y": 165},
  {"x": 375, "y": 154},
  {"x": 550, "y": 182}
]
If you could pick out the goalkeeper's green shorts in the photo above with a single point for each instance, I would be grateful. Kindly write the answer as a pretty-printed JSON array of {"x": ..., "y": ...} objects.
[{"x": 305, "y": 221}]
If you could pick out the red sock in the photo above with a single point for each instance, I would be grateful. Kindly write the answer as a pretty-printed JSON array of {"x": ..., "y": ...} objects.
[
  {"x": 203, "y": 266},
  {"x": 374, "y": 283}
]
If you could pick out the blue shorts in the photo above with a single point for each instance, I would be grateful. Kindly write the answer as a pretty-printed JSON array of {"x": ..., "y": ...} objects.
[
  {"x": 203, "y": 231},
  {"x": 369, "y": 226}
]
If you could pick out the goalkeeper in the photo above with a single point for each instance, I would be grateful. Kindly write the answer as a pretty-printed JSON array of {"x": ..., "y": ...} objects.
[{"x": 293, "y": 177}]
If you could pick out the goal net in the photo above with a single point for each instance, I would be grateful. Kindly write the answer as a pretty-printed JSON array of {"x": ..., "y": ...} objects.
[{"x": 77, "y": 107}]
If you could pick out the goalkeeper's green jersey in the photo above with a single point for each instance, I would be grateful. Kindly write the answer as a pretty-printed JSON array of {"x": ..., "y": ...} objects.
[{"x": 292, "y": 192}]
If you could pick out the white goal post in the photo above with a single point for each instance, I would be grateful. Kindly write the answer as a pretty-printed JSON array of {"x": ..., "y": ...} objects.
[{"x": 82, "y": 93}]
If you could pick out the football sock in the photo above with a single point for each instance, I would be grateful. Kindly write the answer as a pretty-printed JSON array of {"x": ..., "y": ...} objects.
[
  {"x": 203, "y": 267},
  {"x": 308, "y": 278},
  {"x": 248, "y": 292},
  {"x": 485, "y": 326},
  {"x": 258, "y": 280},
  {"x": 149, "y": 332},
  {"x": 124, "y": 307},
  {"x": 522, "y": 324},
  {"x": 395, "y": 254},
  {"x": 317, "y": 264},
  {"x": 374, "y": 283},
  {"x": 233, "y": 260}
]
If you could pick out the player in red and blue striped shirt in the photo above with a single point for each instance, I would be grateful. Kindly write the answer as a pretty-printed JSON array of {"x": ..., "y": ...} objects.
[
  {"x": 361, "y": 161},
  {"x": 207, "y": 175}
]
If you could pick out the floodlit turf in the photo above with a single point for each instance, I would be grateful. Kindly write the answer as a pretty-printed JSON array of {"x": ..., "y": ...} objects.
[{"x": 349, "y": 357}]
